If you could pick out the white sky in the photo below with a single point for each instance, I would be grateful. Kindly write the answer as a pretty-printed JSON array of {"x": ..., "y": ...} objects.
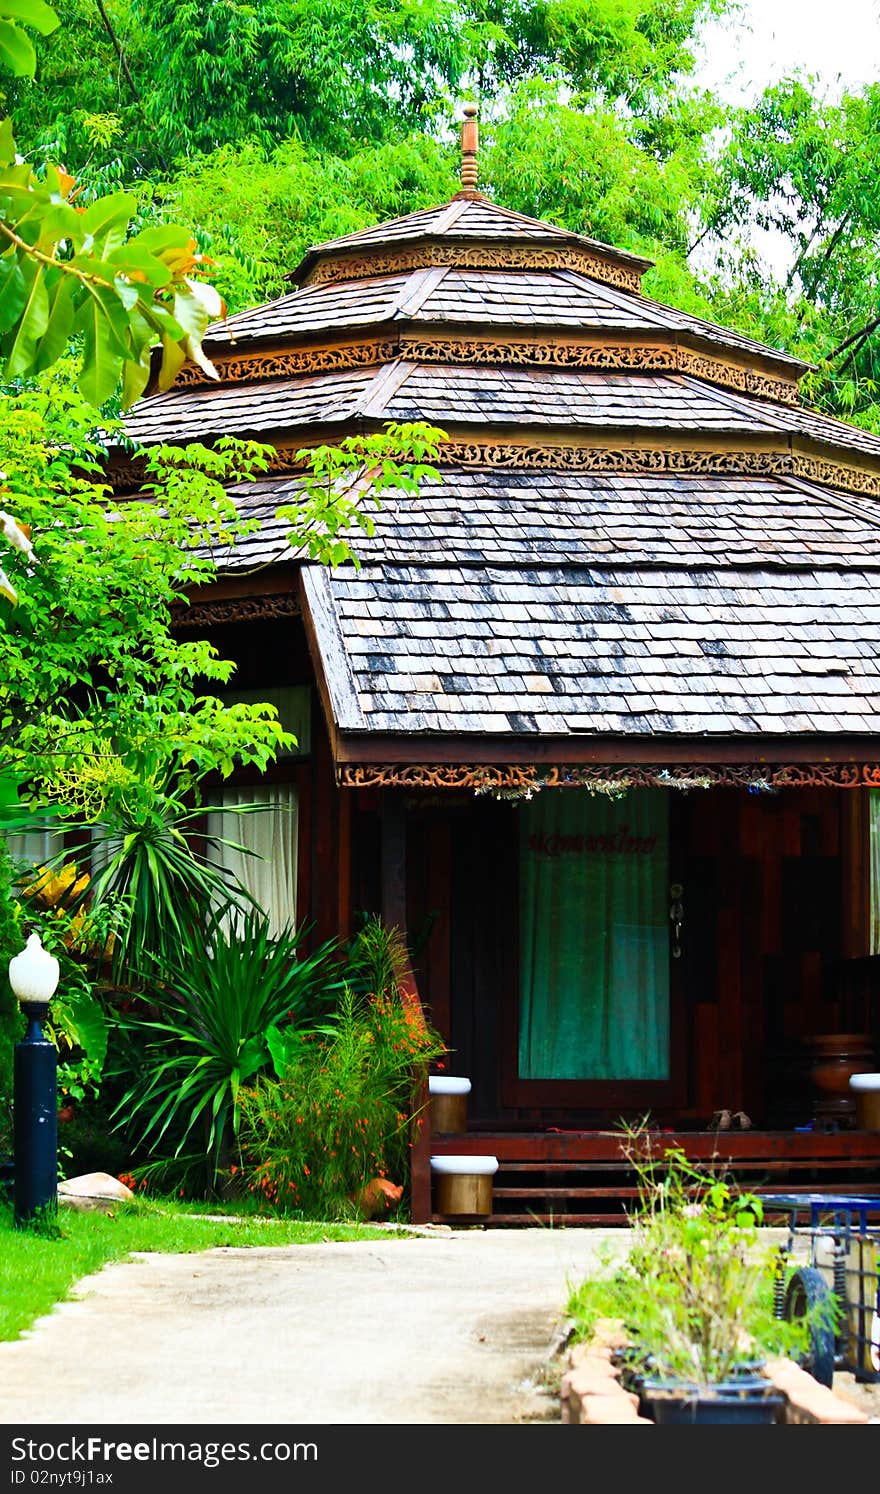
[{"x": 836, "y": 40}]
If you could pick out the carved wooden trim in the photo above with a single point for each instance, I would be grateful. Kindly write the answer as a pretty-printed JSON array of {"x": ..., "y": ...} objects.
[
  {"x": 628, "y": 356},
  {"x": 393, "y": 260},
  {"x": 567, "y": 457},
  {"x": 836, "y": 475},
  {"x": 290, "y": 362},
  {"x": 513, "y": 778},
  {"x": 734, "y": 376},
  {"x": 201, "y": 615}
]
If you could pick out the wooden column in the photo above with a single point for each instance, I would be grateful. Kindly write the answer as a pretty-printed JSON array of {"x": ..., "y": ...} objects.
[
  {"x": 394, "y": 916},
  {"x": 343, "y": 869},
  {"x": 393, "y": 859},
  {"x": 855, "y": 929}
]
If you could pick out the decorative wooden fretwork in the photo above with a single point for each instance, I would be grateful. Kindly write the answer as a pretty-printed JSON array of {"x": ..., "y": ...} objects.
[
  {"x": 609, "y": 777},
  {"x": 567, "y": 457},
  {"x": 290, "y": 362},
  {"x": 734, "y": 376},
  {"x": 626, "y": 357},
  {"x": 631, "y": 356},
  {"x": 204, "y": 615},
  {"x": 389, "y": 259}
]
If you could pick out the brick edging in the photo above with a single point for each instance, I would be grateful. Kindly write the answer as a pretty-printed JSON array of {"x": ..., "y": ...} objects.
[{"x": 591, "y": 1393}]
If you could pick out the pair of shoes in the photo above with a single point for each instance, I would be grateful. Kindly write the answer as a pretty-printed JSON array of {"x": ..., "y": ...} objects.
[{"x": 726, "y": 1120}]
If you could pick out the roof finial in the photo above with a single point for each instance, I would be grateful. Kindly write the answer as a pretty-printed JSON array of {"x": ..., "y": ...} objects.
[{"x": 470, "y": 140}]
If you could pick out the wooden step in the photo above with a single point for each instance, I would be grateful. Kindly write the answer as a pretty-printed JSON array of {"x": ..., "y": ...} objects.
[
  {"x": 573, "y": 1192},
  {"x": 587, "y": 1179}
]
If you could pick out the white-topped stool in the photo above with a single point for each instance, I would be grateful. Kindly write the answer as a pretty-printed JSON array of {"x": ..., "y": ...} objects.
[
  {"x": 866, "y": 1088},
  {"x": 448, "y": 1098},
  {"x": 463, "y": 1185}
]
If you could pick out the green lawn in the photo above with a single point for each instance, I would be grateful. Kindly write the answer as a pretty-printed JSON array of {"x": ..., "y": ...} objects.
[{"x": 39, "y": 1268}]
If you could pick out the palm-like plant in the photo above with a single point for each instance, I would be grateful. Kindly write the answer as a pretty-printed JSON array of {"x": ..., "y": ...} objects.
[
  {"x": 223, "y": 994},
  {"x": 157, "y": 876}
]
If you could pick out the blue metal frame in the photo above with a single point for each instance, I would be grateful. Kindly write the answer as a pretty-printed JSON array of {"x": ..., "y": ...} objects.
[{"x": 839, "y": 1218}]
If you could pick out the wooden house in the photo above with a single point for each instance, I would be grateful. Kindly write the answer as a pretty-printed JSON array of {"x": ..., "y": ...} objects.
[{"x": 595, "y": 720}]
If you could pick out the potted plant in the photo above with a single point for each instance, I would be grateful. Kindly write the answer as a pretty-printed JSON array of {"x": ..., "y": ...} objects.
[{"x": 695, "y": 1296}]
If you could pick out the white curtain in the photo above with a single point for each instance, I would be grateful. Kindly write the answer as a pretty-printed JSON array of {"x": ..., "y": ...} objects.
[
  {"x": 271, "y": 834},
  {"x": 34, "y": 847}
]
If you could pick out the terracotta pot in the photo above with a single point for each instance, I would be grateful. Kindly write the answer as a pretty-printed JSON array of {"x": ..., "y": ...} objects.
[{"x": 833, "y": 1057}]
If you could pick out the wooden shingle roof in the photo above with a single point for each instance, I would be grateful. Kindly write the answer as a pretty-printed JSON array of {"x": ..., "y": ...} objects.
[
  {"x": 541, "y": 299},
  {"x": 520, "y": 604},
  {"x": 638, "y": 532},
  {"x": 630, "y": 650},
  {"x": 467, "y": 222},
  {"x": 458, "y": 396}
]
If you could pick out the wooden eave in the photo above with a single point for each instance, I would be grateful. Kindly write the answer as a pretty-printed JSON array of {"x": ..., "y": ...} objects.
[
  {"x": 613, "y": 750},
  {"x": 255, "y": 357},
  {"x": 609, "y": 449},
  {"x": 339, "y": 260}
]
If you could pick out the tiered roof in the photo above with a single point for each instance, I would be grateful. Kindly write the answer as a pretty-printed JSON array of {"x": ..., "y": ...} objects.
[{"x": 639, "y": 532}]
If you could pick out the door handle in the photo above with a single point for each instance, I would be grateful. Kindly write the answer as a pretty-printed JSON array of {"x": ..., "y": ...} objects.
[{"x": 676, "y": 916}]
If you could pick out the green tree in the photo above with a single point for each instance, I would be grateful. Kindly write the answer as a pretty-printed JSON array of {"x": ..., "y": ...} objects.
[
  {"x": 258, "y": 211},
  {"x": 804, "y": 167},
  {"x": 88, "y": 657},
  {"x": 87, "y": 273}
]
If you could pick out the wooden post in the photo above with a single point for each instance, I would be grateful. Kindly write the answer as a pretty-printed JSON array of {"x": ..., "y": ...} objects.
[
  {"x": 343, "y": 870},
  {"x": 855, "y": 875},
  {"x": 394, "y": 916}
]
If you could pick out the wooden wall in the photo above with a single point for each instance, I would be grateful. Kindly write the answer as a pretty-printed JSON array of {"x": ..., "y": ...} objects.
[
  {"x": 769, "y": 878},
  {"x": 775, "y": 909}
]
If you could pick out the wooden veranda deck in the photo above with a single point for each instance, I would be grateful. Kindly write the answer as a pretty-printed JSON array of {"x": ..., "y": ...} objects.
[{"x": 585, "y": 1177}]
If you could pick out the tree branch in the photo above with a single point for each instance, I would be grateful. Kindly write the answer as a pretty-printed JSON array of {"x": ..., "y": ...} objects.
[
  {"x": 857, "y": 337},
  {"x": 123, "y": 61}
]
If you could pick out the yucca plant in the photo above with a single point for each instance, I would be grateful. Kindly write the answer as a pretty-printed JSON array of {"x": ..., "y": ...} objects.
[
  {"x": 206, "y": 1032},
  {"x": 164, "y": 884}
]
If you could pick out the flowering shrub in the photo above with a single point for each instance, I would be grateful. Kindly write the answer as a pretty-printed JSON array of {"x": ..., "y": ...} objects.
[{"x": 342, "y": 1111}]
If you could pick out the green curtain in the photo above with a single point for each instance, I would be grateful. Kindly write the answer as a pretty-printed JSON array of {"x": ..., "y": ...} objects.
[
  {"x": 594, "y": 935},
  {"x": 874, "y": 832}
]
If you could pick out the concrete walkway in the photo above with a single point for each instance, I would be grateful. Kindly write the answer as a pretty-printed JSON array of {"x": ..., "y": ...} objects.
[{"x": 451, "y": 1327}]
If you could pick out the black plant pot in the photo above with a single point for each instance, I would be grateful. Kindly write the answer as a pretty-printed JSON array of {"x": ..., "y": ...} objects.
[{"x": 743, "y": 1400}]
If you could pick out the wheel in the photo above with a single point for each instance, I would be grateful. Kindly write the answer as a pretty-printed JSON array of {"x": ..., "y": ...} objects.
[{"x": 808, "y": 1295}]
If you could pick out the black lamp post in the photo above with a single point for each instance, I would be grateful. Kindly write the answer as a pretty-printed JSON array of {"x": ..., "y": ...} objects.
[{"x": 33, "y": 976}]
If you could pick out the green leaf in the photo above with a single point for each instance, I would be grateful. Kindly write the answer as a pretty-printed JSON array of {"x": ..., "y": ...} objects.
[
  {"x": 13, "y": 291},
  {"x": 104, "y": 325},
  {"x": 32, "y": 322},
  {"x": 173, "y": 359},
  {"x": 39, "y": 16},
  {"x": 60, "y": 324},
  {"x": 7, "y": 143},
  {"x": 107, "y": 211},
  {"x": 17, "y": 51},
  {"x": 58, "y": 220},
  {"x": 134, "y": 260},
  {"x": 163, "y": 236},
  {"x": 107, "y": 221},
  {"x": 79, "y": 1015}
]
